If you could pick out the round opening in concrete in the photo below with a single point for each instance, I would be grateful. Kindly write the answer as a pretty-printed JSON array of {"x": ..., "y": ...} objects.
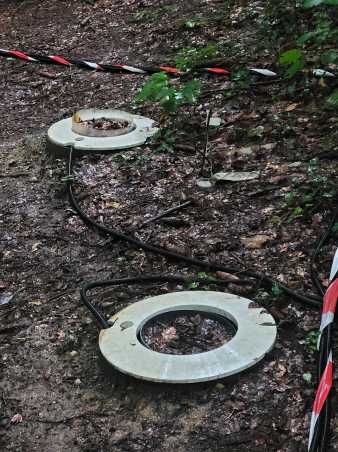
[
  {"x": 86, "y": 123},
  {"x": 98, "y": 131},
  {"x": 186, "y": 332},
  {"x": 122, "y": 348}
]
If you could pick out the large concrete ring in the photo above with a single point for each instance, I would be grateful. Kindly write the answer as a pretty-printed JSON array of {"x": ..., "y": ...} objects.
[
  {"x": 255, "y": 336},
  {"x": 60, "y": 136}
]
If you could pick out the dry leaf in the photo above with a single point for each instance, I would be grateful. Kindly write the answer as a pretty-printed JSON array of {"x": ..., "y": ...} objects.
[
  {"x": 255, "y": 242},
  {"x": 291, "y": 107}
]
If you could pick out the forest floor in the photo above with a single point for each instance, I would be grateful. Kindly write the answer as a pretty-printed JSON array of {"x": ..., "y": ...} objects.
[{"x": 50, "y": 371}]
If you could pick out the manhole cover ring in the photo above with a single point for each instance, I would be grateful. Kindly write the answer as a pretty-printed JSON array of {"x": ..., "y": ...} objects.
[
  {"x": 255, "y": 336},
  {"x": 86, "y": 139}
]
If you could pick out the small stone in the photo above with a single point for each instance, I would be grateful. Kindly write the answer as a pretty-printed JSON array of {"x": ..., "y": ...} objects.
[
  {"x": 205, "y": 184},
  {"x": 73, "y": 353},
  {"x": 219, "y": 386},
  {"x": 77, "y": 382},
  {"x": 215, "y": 121}
]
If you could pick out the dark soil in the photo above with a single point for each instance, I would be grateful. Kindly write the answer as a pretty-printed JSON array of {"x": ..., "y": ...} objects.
[
  {"x": 186, "y": 334},
  {"x": 51, "y": 373}
]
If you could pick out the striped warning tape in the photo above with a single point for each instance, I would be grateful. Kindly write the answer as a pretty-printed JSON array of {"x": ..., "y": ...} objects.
[
  {"x": 55, "y": 59},
  {"x": 326, "y": 378}
]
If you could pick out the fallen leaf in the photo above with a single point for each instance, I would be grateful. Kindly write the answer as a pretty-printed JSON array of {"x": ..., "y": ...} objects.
[
  {"x": 255, "y": 242},
  {"x": 291, "y": 107},
  {"x": 16, "y": 419},
  {"x": 112, "y": 205},
  {"x": 36, "y": 302},
  {"x": 226, "y": 276}
]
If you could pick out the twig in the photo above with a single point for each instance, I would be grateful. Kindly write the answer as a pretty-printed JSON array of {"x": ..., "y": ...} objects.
[
  {"x": 172, "y": 209},
  {"x": 206, "y": 142}
]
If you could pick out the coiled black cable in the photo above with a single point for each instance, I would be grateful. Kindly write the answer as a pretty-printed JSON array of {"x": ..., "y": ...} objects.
[
  {"x": 309, "y": 300},
  {"x": 320, "y": 439}
]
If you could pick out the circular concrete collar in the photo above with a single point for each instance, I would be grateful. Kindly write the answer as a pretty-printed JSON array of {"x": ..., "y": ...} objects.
[
  {"x": 61, "y": 135},
  {"x": 255, "y": 336}
]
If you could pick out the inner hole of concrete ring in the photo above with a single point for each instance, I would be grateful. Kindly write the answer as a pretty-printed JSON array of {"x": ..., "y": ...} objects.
[
  {"x": 84, "y": 121},
  {"x": 226, "y": 323}
]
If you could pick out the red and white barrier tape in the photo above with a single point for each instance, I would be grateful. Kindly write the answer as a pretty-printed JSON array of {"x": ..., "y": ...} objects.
[
  {"x": 55, "y": 59},
  {"x": 325, "y": 384}
]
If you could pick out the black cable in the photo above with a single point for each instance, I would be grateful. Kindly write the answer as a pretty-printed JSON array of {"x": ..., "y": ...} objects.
[
  {"x": 320, "y": 439},
  {"x": 141, "y": 280},
  {"x": 210, "y": 266}
]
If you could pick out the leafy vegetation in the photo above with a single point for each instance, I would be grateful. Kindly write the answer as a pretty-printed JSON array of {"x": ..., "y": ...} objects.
[
  {"x": 160, "y": 89},
  {"x": 306, "y": 196},
  {"x": 319, "y": 40},
  {"x": 311, "y": 341}
]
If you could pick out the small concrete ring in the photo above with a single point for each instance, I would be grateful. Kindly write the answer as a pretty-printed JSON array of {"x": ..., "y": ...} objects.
[{"x": 255, "y": 336}]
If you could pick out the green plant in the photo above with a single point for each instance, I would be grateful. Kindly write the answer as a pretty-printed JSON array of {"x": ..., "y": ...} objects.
[
  {"x": 160, "y": 89},
  {"x": 193, "y": 23},
  {"x": 294, "y": 60},
  {"x": 307, "y": 195},
  {"x": 311, "y": 341},
  {"x": 324, "y": 34},
  {"x": 191, "y": 57},
  {"x": 164, "y": 140},
  {"x": 276, "y": 290},
  {"x": 200, "y": 275}
]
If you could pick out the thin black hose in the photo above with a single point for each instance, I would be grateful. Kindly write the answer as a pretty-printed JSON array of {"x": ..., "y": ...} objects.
[
  {"x": 141, "y": 280},
  {"x": 320, "y": 439},
  {"x": 211, "y": 266}
]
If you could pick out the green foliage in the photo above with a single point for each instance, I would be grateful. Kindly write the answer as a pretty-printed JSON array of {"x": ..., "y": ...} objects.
[
  {"x": 311, "y": 341},
  {"x": 164, "y": 140},
  {"x": 191, "y": 57},
  {"x": 307, "y": 195},
  {"x": 193, "y": 23},
  {"x": 323, "y": 34},
  {"x": 333, "y": 98},
  {"x": 276, "y": 290},
  {"x": 294, "y": 60},
  {"x": 200, "y": 275},
  {"x": 160, "y": 89}
]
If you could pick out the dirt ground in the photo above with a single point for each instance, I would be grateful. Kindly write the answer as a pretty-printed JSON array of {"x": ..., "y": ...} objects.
[{"x": 51, "y": 374}]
